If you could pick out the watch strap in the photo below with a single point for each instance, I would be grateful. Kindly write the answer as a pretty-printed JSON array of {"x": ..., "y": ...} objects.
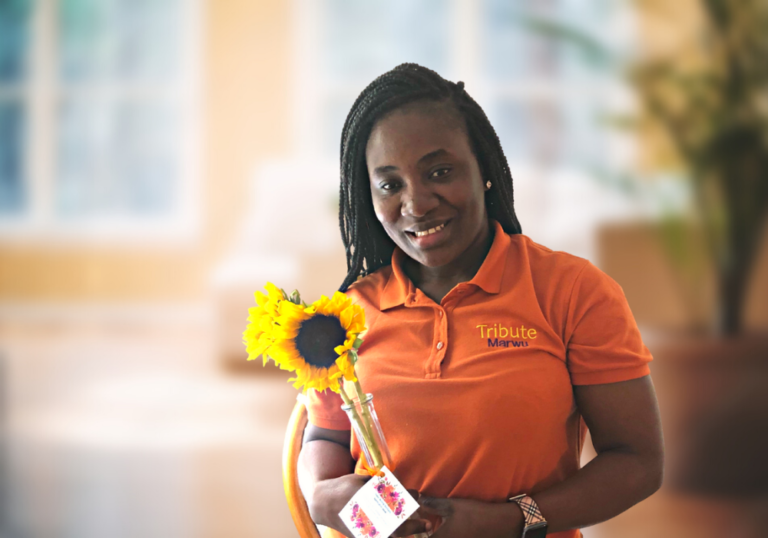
[{"x": 530, "y": 510}]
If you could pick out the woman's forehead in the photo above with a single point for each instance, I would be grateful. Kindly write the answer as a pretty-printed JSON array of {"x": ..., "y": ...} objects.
[
  {"x": 416, "y": 128},
  {"x": 444, "y": 112}
]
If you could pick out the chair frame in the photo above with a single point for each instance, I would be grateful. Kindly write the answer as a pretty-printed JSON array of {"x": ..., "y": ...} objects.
[{"x": 294, "y": 437}]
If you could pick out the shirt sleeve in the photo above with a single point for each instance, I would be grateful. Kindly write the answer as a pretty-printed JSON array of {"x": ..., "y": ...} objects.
[
  {"x": 324, "y": 410},
  {"x": 603, "y": 343}
]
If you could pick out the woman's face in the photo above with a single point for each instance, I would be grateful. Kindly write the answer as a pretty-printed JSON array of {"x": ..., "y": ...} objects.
[{"x": 426, "y": 185}]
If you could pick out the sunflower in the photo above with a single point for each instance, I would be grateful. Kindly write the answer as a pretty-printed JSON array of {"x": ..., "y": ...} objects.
[
  {"x": 257, "y": 336},
  {"x": 318, "y": 342}
]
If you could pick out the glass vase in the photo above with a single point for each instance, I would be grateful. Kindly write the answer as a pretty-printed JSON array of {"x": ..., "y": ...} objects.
[{"x": 365, "y": 424}]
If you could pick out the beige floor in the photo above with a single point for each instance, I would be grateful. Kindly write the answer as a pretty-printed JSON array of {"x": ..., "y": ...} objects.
[
  {"x": 130, "y": 429},
  {"x": 119, "y": 430}
]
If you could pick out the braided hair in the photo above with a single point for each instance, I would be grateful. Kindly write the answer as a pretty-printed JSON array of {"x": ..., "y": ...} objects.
[{"x": 367, "y": 245}]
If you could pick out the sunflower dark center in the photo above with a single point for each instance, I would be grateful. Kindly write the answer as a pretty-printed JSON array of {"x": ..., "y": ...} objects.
[{"x": 317, "y": 338}]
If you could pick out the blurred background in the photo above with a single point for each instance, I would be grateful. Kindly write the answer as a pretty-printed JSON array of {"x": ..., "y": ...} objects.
[{"x": 161, "y": 159}]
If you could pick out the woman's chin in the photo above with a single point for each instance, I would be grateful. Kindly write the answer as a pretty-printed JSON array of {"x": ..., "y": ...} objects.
[{"x": 431, "y": 258}]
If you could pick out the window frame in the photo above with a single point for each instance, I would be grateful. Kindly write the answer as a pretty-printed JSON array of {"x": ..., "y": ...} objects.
[{"x": 38, "y": 223}]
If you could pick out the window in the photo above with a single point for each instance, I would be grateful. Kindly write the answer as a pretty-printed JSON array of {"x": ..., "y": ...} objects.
[
  {"x": 542, "y": 96},
  {"x": 539, "y": 94},
  {"x": 98, "y": 102}
]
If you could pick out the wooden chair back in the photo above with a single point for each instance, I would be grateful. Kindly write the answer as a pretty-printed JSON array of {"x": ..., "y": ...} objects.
[{"x": 294, "y": 436}]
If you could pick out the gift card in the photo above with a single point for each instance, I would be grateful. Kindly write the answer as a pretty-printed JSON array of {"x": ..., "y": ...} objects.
[{"x": 379, "y": 507}]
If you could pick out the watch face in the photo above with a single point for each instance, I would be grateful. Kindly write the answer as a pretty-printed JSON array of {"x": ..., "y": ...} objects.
[{"x": 539, "y": 530}]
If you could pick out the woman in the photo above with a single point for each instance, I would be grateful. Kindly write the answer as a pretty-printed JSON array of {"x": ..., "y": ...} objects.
[{"x": 487, "y": 353}]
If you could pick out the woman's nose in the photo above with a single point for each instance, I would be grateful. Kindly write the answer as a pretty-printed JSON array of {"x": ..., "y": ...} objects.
[{"x": 417, "y": 201}]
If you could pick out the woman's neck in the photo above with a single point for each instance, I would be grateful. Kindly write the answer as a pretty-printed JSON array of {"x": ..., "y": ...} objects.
[{"x": 436, "y": 282}]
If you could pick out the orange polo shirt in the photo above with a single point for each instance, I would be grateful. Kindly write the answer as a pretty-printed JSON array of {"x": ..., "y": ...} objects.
[{"x": 475, "y": 394}]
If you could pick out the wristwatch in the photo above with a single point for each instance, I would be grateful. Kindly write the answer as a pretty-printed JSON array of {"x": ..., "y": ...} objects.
[{"x": 535, "y": 524}]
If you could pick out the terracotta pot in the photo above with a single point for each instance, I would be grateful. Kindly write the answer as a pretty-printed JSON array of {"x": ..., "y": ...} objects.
[{"x": 713, "y": 396}]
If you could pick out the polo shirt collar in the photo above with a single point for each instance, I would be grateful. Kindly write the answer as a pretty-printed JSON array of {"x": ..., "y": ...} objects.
[{"x": 488, "y": 277}]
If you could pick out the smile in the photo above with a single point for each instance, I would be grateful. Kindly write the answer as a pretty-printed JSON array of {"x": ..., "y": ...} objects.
[
  {"x": 431, "y": 237},
  {"x": 430, "y": 231}
]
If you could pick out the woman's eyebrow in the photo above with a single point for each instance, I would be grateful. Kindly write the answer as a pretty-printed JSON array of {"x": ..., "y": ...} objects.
[
  {"x": 431, "y": 155},
  {"x": 384, "y": 169}
]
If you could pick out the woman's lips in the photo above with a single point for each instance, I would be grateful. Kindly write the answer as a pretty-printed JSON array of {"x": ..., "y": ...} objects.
[{"x": 429, "y": 238}]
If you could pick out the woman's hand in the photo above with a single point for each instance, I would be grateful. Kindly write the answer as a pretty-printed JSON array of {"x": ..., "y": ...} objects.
[
  {"x": 333, "y": 495},
  {"x": 464, "y": 517},
  {"x": 326, "y": 480}
]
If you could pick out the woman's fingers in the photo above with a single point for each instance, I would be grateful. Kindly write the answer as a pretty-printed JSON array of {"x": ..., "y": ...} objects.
[
  {"x": 435, "y": 510},
  {"x": 413, "y": 526}
]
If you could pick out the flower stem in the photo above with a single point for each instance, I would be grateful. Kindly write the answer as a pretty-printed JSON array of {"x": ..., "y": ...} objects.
[
  {"x": 368, "y": 438},
  {"x": 375, "y": 450}
]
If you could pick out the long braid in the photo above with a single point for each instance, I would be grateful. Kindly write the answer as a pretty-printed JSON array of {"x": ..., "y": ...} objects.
[{"x": 367, "y": 245}]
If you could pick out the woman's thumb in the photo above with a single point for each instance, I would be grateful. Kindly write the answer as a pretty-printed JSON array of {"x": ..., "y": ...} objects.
[{"x": 437, "y": 506}]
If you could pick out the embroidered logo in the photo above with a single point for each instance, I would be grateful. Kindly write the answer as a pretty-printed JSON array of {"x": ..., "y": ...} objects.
[{"x": 499, "y": 335}]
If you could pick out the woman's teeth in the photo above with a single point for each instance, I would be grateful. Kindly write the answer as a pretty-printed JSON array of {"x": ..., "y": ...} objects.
[{"x": 430, "y": 231}]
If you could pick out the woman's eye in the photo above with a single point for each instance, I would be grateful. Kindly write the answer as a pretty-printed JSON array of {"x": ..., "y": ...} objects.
[
  {"x": 440, "y": 172},
  {"x": 388, "y": 186}
]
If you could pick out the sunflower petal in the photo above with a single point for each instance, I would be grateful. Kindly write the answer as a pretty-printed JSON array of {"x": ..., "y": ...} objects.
[
  {"x": 274, "y": 292},
  {"x": 347, "y": 317}
]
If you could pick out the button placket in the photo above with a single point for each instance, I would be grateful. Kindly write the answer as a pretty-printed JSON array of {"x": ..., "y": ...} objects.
[{"x": 439, "y": 344}]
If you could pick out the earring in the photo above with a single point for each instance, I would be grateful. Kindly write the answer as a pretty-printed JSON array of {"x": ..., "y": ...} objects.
[{"x": 487, "y": 185}]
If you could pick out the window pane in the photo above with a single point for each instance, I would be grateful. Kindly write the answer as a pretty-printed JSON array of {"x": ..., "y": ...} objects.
[
  {"x": 12, "y": 150},
  {"x": 83, "y": 153},
  {"x": 146, "y": 156},
  {"x": 116, "y": 158},
  {"x": 118, "y": 132},
  {"x": 119, "y": 39},
  {"x": 559, "y": 132},
  {"x": 514, "y": 51},
  {"x": 365, "y": 39},
  {"x": 553, "y": 120},
  {"x": 14, "y": 39},
  {"x": 14, "y": 46}
]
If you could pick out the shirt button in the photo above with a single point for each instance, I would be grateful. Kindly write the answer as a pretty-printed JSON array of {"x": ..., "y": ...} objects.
[{"x": 439, "y": 345}]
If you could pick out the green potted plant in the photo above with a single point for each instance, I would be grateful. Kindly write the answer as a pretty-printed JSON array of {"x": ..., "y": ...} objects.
[
  {"x": 712, "y": 103},
  {"x": 707, "y": 98}
]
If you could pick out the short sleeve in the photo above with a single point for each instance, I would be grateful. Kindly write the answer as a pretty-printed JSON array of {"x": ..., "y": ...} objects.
[
  {"x": 603, "y": 343},
  {"x": 324, "y": 410}
]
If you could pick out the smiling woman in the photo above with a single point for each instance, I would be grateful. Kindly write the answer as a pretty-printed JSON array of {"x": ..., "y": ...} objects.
[
  {"x": 428, "y": 192},
  {"x": 490, "y": 353}
]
